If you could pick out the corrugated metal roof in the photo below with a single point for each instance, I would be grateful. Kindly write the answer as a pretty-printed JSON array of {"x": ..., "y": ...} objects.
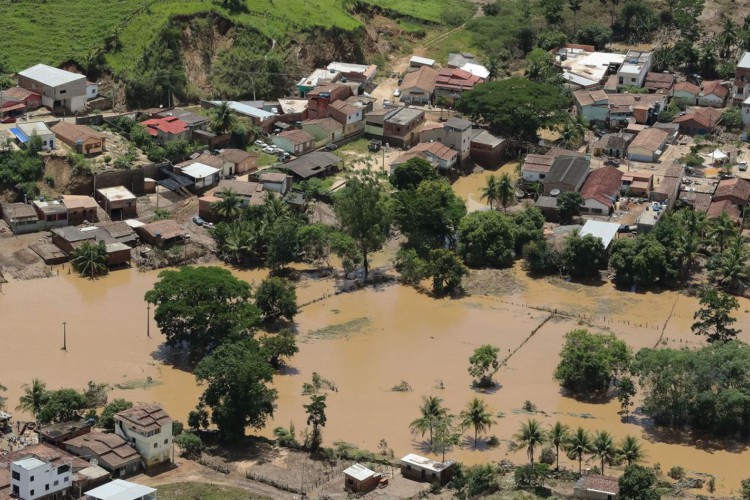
[
  {"x": 244, "y": 109},
  {"x": 605, "y": 231},
  {"x": 199, "y": 171},
  {"x": 359, "y": 472},
  {"x": 120, "y": 490},
  {"x": 51, "y": 76}
]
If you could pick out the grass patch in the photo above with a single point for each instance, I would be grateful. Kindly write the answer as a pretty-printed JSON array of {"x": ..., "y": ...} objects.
[
  {"x": 341, "y": 329},
  {"x": 265, "y": 159},
  {"x": 139, "y": 383},
  {"x": 203, "y": 491},
  {"x": 459, "y": 41}
]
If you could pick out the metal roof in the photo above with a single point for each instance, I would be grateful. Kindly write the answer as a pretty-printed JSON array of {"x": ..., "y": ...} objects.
[
  {"x": 120, "y": 490},
  {"x": 50, "y": 76},
  {"x": 199, "y": 171},
  {"x": 359, "y": 472},
  {"x": 426, "y": 463},
  {"x": 30, "y": 463},
  {"x": 744, "y": 61},
  {"x": 422, "y": 60},
  {"x": 244, "y": 109},
  {"x": 605, "y": 231}
]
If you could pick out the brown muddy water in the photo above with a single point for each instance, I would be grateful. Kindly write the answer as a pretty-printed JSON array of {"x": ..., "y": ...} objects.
[
  {"x": 469, "y": 187},
  {"x": 366, "y": 342}
]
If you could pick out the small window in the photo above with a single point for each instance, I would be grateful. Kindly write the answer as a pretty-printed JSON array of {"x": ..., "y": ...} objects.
[
  {"x": 56, "y": 483},
  {"x": 46, "y": 487},
  {"x": 16, "y": 476},
  {"x": 156, "y": 444},
  {"x": 63, "y": 92},
  {"x": 66, "y": 479},
  {"x": 166, "y": 441},
  {"x": 31, "y": 493},
  {"x": 31, "y": 478}
]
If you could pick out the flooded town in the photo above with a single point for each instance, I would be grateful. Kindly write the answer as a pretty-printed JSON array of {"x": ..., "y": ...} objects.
[{"x": 411, "y": 249}]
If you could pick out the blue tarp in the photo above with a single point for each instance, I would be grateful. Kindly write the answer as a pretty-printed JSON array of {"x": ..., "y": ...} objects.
[{"x": 19, "y": 135}]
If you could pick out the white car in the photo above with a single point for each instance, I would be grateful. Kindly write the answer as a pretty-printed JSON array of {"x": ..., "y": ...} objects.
[
  {"x": 396, "y": 92},
  {"x": 269, "y": 149},
  {"x": 260, "y": 143}
]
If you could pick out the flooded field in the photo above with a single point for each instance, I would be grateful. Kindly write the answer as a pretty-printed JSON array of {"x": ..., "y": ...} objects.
[
  {"x": 366, "y": 342},
  {"x": 469, "y": 187}
]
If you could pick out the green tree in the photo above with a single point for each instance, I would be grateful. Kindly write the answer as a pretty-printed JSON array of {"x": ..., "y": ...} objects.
[
  {"x": 447, "y": 435},
  {"x": 316, "y": 416},
  {"x": 745, "y": 489},
  {"x": 315, "y": 241},
  {"x": 583, "y": 255},
  {"x": 630, "y": 450},
  {"x": 506, "y": 191},
  {"x": 236, "y": 375},
  {"x": 202, "y": 307},
  {"x": 276, "y": 298},
  {"x": 410, "y": 266},
  {"x": 107, "y": 418},
  {"x": 430, "y": 412},
  {"x": 569, "y": 205},
  {"x": 478, "y": 416},
  {"x": 552, "y": 11},
  {"x": 638, "y": 483},
  {"x": 489, "y": 192},
  {"x": 722, "y": 230},
  {"x": 283, "y": 243},
  {"x": 714, "y": 318},
  {"x": 530, "y": 476},
  {"x": 642, "y": 261},
  {"x": 2, "y": 399},
  {"x": 446, "y": 270},
  {"x": 411, "y": 173},
  {"x": 483, "y": 364},
  {"x": 486, "y": 239},
  {"x": 578, "y": 446},
  {"x": 540, "y": 258},
  {"x": 345, "y": 248},
  {"x": 223, "y": 118},
  {"x": 34, "y": 397},
  {"x": 558, "y": 436},
  {"x": 279, "y": 346},
  {"x": 604, "y": 448},
  {"x": 90, "y": 259},
  {"x": 625, "y": 394},
  {"x": 198, "y": 418},
  {"x": 530, "y": 436},
  {"x": 729, "y": 269},
  {"x": 590, "y": 362},
  {"x": 229, "y": 206},
  {"x": 731, "y": 119},
  {"x": 540, "y": 66},
  {"x": 190, "y": 444},
  {"x": 274, "y": 208},
  {"x": 515, "y": 107},
  {"x": 364, "y": 214},
  {"x": 594, "y": 34},
  {"x": 429, "y": 215},
  {"x": 62, "y": 405}
]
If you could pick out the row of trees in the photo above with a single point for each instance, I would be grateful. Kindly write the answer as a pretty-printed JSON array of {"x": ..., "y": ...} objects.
[{"x": 61, "y": 405}]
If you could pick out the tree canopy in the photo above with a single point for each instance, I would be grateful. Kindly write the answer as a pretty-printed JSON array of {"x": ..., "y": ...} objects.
[
  {"x": 486, "y": 239},
  {"x": 515, "y": 107},
  {"x": 276, "y": 298},
  {"x": 589, "y": 362},
  {"x": 236, "y": 375},
  {"x": 202, "y": 307},
  {"x": 411, "y": 173}
]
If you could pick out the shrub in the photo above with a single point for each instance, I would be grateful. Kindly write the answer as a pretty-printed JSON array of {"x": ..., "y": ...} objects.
[
  {"x": 191, "y": 445},
  {"x": 676, "y": 473},
  {"x": 589, "y": 362},
  {"x": 548, "y": 455}
]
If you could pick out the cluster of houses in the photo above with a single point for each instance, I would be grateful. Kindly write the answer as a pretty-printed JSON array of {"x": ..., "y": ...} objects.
[{"x": 72, "y": 460}]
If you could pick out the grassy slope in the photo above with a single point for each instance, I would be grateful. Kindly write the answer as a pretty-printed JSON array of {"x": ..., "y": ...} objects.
[
  {"x": 202, "y": 491},
  {"x": 55, "y": 31}
]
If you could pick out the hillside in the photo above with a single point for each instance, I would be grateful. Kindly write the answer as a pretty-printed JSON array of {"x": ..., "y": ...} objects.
[{"x": 80, "y": 30}]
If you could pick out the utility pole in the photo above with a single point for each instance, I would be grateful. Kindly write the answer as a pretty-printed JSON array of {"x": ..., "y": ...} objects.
[
  {"x": 148, "y": 319},
  {"x": 65, "y": 337}
]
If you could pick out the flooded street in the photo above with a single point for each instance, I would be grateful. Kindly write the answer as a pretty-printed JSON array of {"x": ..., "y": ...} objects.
[{"x": 366, "y": 342}]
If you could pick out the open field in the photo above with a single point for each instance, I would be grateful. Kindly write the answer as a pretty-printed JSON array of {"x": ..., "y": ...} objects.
[
  {"x": 203, "y": 491},
  {"x": 59, "y": 26}
]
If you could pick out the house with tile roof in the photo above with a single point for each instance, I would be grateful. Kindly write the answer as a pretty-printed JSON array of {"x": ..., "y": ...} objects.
[
  {"x": 351, "y": 117},
  {"x": 735, "y": 190},
  {"x": 419, "y": 86},
  {"x": 324, "y": 130},
  {"x": 659, "y": 82},
  {"x": 685, "y": 93},
  {"x": 83, "y": 139},
  {"x": 294, "y": 142},
  {"x": 149, "y": 429},
  {"x": 111, "y": 451},
  {"x": 597, "y": 487},
  {"x": 648, "y": 145},
  {"x": 167, "y": 129},
  {"x": 699, "y": 121},
  {"x": 592, "y": 105},
  {"x": 436, "y": 153},
  {"x": 713, "y": 94},
  {"x": 452, "y": 82},
  {"x": 601, "y": 190}
]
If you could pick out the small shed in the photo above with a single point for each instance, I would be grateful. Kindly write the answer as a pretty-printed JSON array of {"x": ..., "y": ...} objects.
[
  {"x": 203, "y": 176},
  {"x": 162, "y": 233},
  {"x": 420, "y": 468},
  {"x": 360, "y": 479},
  {"x": 597, "y": 487}
]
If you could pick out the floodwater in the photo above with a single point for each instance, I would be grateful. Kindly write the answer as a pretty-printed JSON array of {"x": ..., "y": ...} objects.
[
  {"x": 366, "y": 342},
  {"x": 469, "y": 186}
]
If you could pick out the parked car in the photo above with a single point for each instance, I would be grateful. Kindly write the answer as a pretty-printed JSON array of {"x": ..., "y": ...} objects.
[
  {"x": 8, "y": 119},
  {"x": 331, "y": 146},
  {"x": 268, "y": 149},
  {"x": 198, "y": 221},
  {"x": 208, "y": 225},
  {"x": 260, "y": 143},
  {"x": 396, "y": 92},
  {"x": 743, "y": 166},
  {"x": 374, "y": 146}
]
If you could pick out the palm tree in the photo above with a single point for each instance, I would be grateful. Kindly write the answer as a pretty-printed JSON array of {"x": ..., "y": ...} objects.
[
  {"x": 578, "y": 446},
  {"x": 477, "y": 415},
  {"x": 694, "y": 222},
  {"x": 441, "y": 102},
  {"x": 604, "y": 448},
  {"x": 530, "y": 435},
  {"x": 2, "y": 399},
  {"x": 34, "y": 398},
  {"x": 431, "y": 411},
  {"x": 223, "y": 119},
  {"x": 90, "y": 259},
  {"x": 630, "y": 450},
  {"x": 688, "y": 248},
  {"x": 489, "y": 191},
  {"x": 722, "y": 230},
  {"x": 506, "y": 191},
  {"x": 731, "y": 270},
  {"x": 559, "y": 435},
  {"x": 229, "y": 207},
  {"x": 274, "y": 207}
]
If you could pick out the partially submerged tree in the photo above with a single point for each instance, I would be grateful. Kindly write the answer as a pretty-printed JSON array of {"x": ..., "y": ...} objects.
[
  {"x": 430, "y": 412},
  {"x": 714, "y": 318},
  {"x": 278, "y": 347},
  {"x": 276, "y": 298},
  {"x": 530, "y": 436},
  {"x": 578, "y": 446},
  {"x": 316, "y": 416},
  {"x": 90, "y": 259},
  {"x": 590, "y": 362},
  {"x": 483, "y": 364},
  {"x": 478, "y": 416}
]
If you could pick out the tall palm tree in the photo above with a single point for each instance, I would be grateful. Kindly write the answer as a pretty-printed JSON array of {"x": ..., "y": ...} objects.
[
  {"x": 431, "y": 411},
  {"x": 229, "y": 207},
  {"x": 694, "y": 222},
  {"x": 274, "y": 207},
  {"x": 604, "y": 448},
  {"x": 731, "y": 271},
  {"x": 506, "y": 191},
  {"x": 722, "y": 230},
  {"x": 90, "y": 259},
  {"x": 223, "y": 118},
  {"x": 478, "y": 416},
  {"x": 489, "y": 191},
  {"x": 34, "y": 397},
  {"x": 530, "y": 435},
  {"x": 688, "y": 248},
  {"x": 630, "y": 450},
  {"x": 559, "y": 435},
  {"x": 578, "y": 446}
]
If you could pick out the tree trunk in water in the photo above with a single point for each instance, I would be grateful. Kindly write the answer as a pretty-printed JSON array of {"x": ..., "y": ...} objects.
[
  {"x": 475, "y": 437},
  {"x": 366, "y": 264}
]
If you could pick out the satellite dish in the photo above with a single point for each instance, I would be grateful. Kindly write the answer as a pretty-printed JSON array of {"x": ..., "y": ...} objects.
[{"x": 554, "y": 193}]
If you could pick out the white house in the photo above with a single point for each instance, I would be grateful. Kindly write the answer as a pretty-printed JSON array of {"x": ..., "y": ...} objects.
[
  {"x": 59, "y": 88},
  {"x": 92, "y": 90},
  {"x": 32, "y": 478},
  {"x": 38, "y": 129},
  {"x": 149, "y": 429},
  {"x": 121, "y": 490},
  {"x": 632, "y": 72},
  {"x": 746, "y": 111},
  {"x": 202, "y": 175}
]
